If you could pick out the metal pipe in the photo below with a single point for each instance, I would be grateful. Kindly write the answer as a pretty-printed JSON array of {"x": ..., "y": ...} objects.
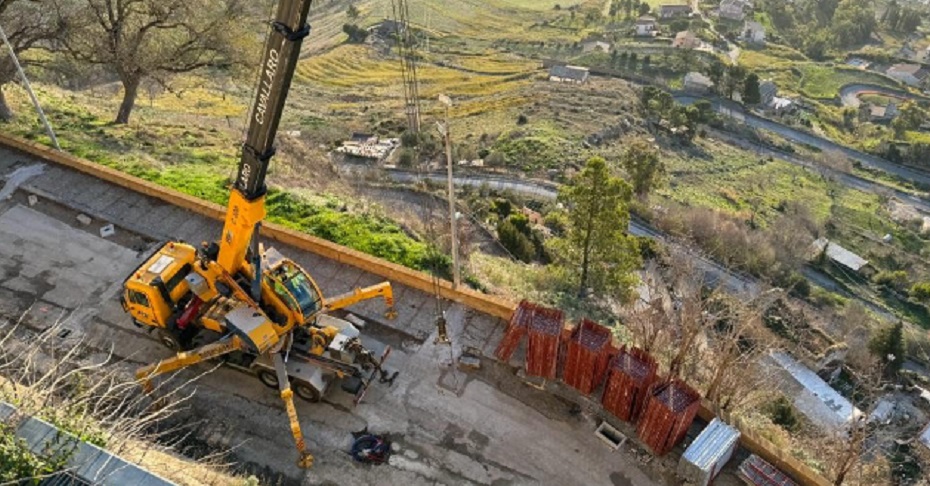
[
  {"x": 35, "y": 101},
  {"x": 456, "y": 273}
]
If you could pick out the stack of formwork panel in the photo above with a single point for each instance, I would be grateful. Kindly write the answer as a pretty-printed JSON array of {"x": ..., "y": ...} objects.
[
  {"x": 586, "y": 356},
  {"x": 670, "y": 409},
  {"x": 516, "y": 329},
  {"x": 755, "y": 470},
  {"x": 632, "y": 372},
  {"x": 542, "y": 352}
]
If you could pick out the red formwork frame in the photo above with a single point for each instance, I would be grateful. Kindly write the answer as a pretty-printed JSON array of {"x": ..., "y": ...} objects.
[
  {"x": 516, "y": 329},
  {"x": 586, "y": 356},
  {"x": 632, "y": 372},
  {"x": 542, "y": 351},
  {"x": 670, "y": 408}
]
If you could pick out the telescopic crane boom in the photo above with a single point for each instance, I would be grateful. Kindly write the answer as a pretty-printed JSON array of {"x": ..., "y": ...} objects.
[
  {"x": 246, "y": 207},
  {"x": 250, "y": 305}
]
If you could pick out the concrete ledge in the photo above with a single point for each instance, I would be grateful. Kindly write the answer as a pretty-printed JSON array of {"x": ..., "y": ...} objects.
[{"x": 86, "y": 461}]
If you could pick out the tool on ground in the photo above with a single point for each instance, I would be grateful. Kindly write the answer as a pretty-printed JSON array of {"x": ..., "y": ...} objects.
[
  {"x": 248, "y": 304},
  {"x": 371, "y": 448}
]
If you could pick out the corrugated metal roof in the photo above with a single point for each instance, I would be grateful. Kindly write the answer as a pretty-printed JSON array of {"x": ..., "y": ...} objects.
[
  {"x": 840, "y": 255},
  {"x": 819, "y": 402},
  {"x": 715, "y": 440}
]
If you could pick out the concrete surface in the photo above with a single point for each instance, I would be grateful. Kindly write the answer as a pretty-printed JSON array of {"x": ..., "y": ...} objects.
[{"x": 449, "y": 427}]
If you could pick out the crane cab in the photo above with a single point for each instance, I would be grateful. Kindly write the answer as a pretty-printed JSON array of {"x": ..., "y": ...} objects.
[
  {"x": 152, "y": 293},
  {"x": 288, "y": 291}
]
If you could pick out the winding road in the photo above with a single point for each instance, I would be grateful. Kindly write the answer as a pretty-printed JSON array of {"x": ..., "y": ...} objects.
[
  {"x": 736, "y": 112},
  {"x": 851, "y": 92}
]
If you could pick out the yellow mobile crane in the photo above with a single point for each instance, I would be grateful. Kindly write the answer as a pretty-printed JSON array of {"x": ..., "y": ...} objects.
[{"x": 249, "y": 304}]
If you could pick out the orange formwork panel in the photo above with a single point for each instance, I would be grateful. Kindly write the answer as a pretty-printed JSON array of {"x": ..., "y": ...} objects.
[
  {"x": 632, "y": 371},
  {"x": 516, "y": 329},
  {"x": 670, "y": 408},
  {"x": 586, "y": 357},
  {"x": 542, "y": 352}
]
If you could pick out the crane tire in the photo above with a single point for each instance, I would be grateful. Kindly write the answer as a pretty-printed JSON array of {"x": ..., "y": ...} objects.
[{"x": 268, "y": 378}]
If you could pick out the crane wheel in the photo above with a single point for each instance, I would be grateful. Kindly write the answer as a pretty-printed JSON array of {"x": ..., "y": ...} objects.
[
  {"x": 307, "y": 392},
  {"x": 268, "y": 378},
  {"x": 168, "y": 340}
]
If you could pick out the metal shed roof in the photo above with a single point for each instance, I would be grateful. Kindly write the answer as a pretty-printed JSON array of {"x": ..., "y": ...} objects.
[
  {"x": 818, "y": 400},
  {"x": 840, "y": 255}
]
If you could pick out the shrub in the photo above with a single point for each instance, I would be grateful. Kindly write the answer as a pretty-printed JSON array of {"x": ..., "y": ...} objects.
[
  {"x": 889, "y": 347},
  {"x": 896, "y": 280},
  {"x": 920, "y": 291},
  {"x": 515, "y": 241},
  {"x": 522, "y": 119},
  {"x": 782, "y": 413}
]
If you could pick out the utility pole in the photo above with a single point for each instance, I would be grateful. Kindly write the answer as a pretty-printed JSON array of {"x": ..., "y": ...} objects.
[
  {"x": 444, "y": 130},
  {"x": 32, "y": 95}
]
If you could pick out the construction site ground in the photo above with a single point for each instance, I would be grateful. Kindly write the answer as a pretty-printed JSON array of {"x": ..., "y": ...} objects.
[{"x": 449, "y": 426}]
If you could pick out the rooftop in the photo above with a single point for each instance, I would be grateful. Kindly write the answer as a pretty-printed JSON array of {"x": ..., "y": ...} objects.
[
  {"x": 840, "y": 255},
  {"x": 695, "y": 77},
  {"x": 818, "y": 401},
  {"x": 645, "y": 19},
  {"x": 577, "y": 73}
]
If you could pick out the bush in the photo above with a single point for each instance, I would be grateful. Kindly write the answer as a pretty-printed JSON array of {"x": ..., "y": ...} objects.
[
  {"x": 17, "y": 461},
  {"x": 889, "y": 347},
  {"x": 920, "y": 291},
  {"x": 522, "y": 120},
  {"x": 896, "y": 280},
  {"x": 515, "y": 241},
  {"x": 406, "y": 157},
  {"x": 782, "y": 413}
]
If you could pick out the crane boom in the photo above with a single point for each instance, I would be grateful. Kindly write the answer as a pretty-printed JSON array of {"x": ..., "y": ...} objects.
[{"x": 246, "y": 207}]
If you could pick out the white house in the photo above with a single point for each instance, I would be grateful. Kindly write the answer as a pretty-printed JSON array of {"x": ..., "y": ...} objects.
[
  {"x": 733, "y": 10},
  {"x": 754, "y": 32},
  {"x": 696, "y": 82},
  {"x": 569, "y": 74},
  {"x": 646, "y": 26},
  {"x": 910, "y": 74}
]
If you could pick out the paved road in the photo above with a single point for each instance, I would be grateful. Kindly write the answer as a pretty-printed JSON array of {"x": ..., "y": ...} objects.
[
  {"x": 849, "y": 180},
  {"x": 851, "y": 92},
  {"x": 736, "y": 112}
]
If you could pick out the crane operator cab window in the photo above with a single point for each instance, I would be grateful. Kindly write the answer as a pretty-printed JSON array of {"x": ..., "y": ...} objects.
[{"x": 297, "y": 284}]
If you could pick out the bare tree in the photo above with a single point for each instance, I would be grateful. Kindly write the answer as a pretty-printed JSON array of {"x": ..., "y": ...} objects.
[
  {"x": 736, "y": 344},
  {"x": 28, "y": 24},
  {"x": 94, "y": 397},
  {"x": 140, "y": 39},
  {"x": 846, "y": 449}
]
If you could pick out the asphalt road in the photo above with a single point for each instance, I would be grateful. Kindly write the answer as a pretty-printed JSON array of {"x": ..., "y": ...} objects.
[
  {"x": 739, "y": 114},
  {"x": 851, "y": 92}
]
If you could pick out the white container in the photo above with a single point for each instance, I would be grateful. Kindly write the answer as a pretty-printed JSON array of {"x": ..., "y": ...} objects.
[{"x": 707, "y": 455}]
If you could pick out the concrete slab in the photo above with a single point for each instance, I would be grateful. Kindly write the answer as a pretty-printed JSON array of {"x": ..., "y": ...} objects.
[{"x": 57, "y": 263}]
